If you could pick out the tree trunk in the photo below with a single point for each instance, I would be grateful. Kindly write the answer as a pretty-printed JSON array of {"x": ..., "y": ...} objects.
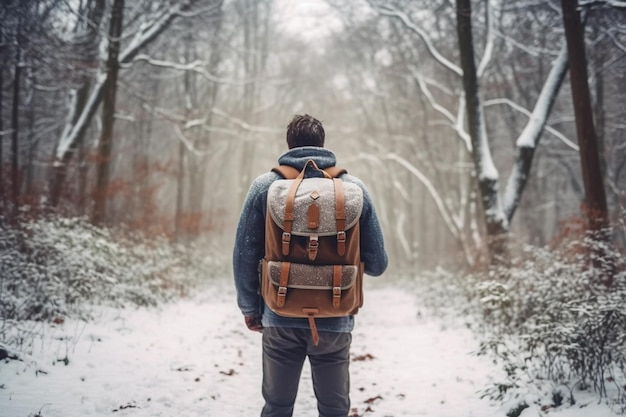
[
  {"x": 81, "y": 99},
  {"x": 2, "y": 178},
  {"x": 2, "y": 199},
  {"x": 108, "y": 111},
  {"x": 15, "y": 177},
  {"x": 32, "y": 149},
  {"x": 89, "y": 36},
  {"x": 495, "y": 221},
  {"x": 599, "y": 114},
  {"x": 595, "y": 197},
  {"x": 182, "y": 157},
  {"x": 180, "y": 186}
]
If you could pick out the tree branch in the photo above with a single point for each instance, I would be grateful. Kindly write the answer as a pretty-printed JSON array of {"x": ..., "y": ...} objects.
[
  {"x": 488, "y": 52},
  {"x": 528, "y": 139},
  {"x": 147, "y": 33},
  {"x": 526, "y": 112},
  {"x": 423, "y": 35}
]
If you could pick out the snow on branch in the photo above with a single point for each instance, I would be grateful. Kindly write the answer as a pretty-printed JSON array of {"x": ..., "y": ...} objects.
[
  {"x": 456, "y": 122},
  {"x": 619, "y": 4},
  {"x": 532, "y": 132},
  {"x": 195, "y": 66},
  {"x": 487, "y": 54},
  {"x": 401, "y": 236},
  {"x": 527, "y": 141},
  {"x": 443, "y": 211},
  {"x": 616, "y": 43},
  {"x": 526, "y": 112},
  {"x": 148, "y": 31},
  {"x": 460, "y": 124},
  {"x": 530, "y": 50},
  {"x": 188, "y": 143},
  {"x": 71, "y": 133},
  {"x": 436, "y": 106},
  {"x": 387, "y": 11},
  {"x": 242, "y": 124}
]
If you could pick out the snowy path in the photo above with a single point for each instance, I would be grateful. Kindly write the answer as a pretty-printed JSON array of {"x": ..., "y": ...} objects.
[{"x": 195, "y": 358}]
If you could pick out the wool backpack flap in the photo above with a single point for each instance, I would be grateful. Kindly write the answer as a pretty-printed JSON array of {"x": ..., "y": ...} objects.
[{"x": 312, "y": 266}]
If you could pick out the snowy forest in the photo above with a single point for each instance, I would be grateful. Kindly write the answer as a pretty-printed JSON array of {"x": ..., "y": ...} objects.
[{"x": 491, "y": 135}]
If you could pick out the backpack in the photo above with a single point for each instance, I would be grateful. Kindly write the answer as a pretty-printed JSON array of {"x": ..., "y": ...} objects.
[{"x": 312, "y": 266}]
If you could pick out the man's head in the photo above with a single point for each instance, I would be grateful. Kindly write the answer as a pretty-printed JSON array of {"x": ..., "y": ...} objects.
[{"x": 305, "y": 130}]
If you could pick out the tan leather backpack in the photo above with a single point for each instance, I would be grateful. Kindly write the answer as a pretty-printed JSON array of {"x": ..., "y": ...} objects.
[{"x": 312, "y": 266}]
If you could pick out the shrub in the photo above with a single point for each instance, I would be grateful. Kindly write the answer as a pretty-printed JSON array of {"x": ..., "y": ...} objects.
[
  {"x": 52, "y": 268},
  {"x": 550, "y": 317},
  {"x": 547, "y": 318}
]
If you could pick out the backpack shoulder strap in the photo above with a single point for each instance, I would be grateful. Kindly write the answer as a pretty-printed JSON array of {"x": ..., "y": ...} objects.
[
  {"x": 335, "y": 172},
  {"x": 290, "y": 173},
  {"x": 286, "y": 171}
]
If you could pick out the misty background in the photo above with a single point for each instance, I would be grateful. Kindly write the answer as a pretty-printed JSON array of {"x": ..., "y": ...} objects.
[{"x": 168, "y": 141}]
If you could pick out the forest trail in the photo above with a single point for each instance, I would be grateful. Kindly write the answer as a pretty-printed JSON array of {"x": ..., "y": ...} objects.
[{"x": 196, "y": 358}]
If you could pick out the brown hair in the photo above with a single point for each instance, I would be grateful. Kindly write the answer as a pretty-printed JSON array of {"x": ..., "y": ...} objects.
[{"x": 305, "y": 130}]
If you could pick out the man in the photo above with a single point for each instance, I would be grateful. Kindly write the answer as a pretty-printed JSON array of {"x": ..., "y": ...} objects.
[{"x": 287, "y": 341}]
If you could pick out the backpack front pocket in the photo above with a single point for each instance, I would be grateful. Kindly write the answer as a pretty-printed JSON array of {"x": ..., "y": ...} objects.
[{"x": 290, "y": 289}]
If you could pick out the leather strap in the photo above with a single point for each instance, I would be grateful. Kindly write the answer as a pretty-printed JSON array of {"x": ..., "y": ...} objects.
[
  {"x": 289, "y": 206},
  {"x": 313, "y": 216},
  {"x": 340, "y": 217},
  {"x": 289, "y": 215},
  {"x": 337, "y": 273},
  {"x": 310, "y": 313},
  {"x": 282, "y": 285},
  {"x": 289, "y": 172},
  {"x": 335, "y": 172},
  {"x": 314, "y": 244},
  {"x": 286, "y": 171},
  {"x": 340, "y": 214}
]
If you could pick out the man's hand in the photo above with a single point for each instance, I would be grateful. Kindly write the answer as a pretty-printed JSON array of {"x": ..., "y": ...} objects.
[{"x": 254, "y": 323}]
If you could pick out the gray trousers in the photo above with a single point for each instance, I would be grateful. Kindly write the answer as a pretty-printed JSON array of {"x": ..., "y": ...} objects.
[{"x": 284, "y": 352}]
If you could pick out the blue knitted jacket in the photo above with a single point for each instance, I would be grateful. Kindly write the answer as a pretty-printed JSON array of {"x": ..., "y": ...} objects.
[{"x": 250, "y": 242}]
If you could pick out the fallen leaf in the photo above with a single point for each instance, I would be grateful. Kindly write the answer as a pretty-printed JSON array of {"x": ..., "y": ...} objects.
[
  {"x": 373, "y": 399},
  {"x": 231, "y": 372},
  {"x": 124, "y": 407},
  {"x": 366, "y": 357},
  {"x": 355, "y": 413}
]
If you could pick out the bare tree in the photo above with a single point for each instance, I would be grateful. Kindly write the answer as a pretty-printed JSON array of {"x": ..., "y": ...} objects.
[
  {"x": 595, "y": 197},
  {"x": 15, "y": 111},
  {"x": 108, "y": 110},
  {"x": 498, "y": 207},
  {"x": 147, "y": 32}
]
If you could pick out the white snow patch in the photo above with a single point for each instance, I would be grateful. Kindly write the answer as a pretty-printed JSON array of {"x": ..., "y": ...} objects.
[{"x": 196, "y": 358}]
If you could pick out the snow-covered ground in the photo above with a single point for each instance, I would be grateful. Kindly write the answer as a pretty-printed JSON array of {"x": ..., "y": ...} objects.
[{"x": 196, "y": 358}]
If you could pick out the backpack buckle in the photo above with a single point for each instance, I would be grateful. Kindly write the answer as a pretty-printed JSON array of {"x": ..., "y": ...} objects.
[
  {"x": 313, "y": 246},
  {"x": 280, "y": 300},
  {"x": 336, "y": 297},
  {"x": 285, "y": 245},
  {"x": 341, "y": 243}
]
